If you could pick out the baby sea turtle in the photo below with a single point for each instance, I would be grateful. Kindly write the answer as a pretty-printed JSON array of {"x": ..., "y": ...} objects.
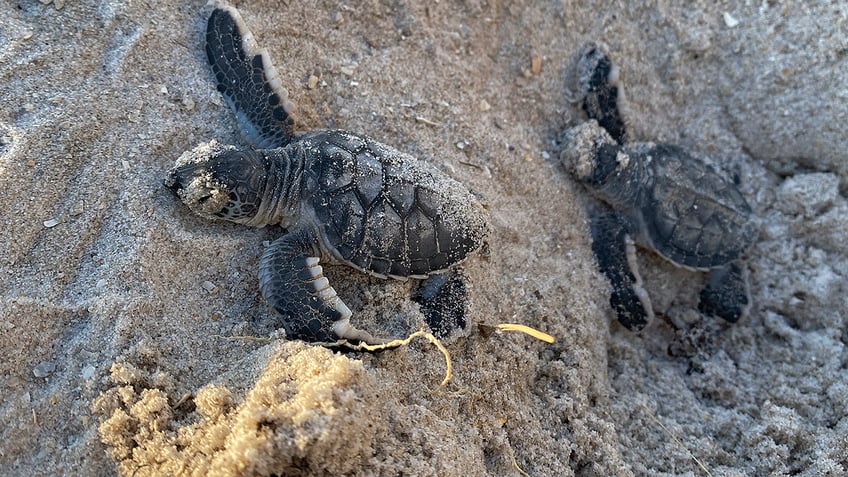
[
  {"x": 341, "y": 197},
  {"x": 658, "y": 196}
]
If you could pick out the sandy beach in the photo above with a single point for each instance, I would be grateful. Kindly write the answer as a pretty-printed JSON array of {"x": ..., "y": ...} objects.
[{"x": 135, "y": 340}]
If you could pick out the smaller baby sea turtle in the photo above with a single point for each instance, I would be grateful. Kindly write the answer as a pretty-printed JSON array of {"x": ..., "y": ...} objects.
[
  {"x": 341, "y": 197},
  {"x": 660, "y": 197}
]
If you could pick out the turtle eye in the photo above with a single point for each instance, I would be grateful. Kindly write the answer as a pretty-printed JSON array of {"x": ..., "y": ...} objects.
[
  {"x": 204, "y": 199},
  {"x": 606, "y": 162}
]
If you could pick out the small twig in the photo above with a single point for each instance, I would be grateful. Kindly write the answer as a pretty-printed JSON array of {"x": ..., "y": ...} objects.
[
  {"x": 675, "y": 439},
  {"x": 422, "y": 119},
  {"x": 186, "y": 397},
  {"x": 469, "y": 164},
  {"x": 539, "y": 335},
  {"x": 398, "y": 343},
  {"x": 375, "y": 347},
  {"x": 519, "y": 469},
  {"x": 245, "y": 338}
]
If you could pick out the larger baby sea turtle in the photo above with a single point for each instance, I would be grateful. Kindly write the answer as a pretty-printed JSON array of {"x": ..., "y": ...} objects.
[
  {"x": 341, "y": 197},
  {"x": 660, "y": 197}
]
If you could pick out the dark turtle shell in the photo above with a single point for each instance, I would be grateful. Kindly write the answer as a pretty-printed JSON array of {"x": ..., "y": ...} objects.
[
  {"x": 687, "y": 211},
  {"x": 384, "y": 212}
]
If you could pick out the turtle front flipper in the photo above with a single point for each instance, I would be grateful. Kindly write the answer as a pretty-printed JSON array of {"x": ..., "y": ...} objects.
[
  {"x": 616, "y": 256},
  {"x": 248, "y": 80},
  {"x": 598, "y": 83},
  {"x": 726, "y": 293},
  {"x": 294, "y": 285}
]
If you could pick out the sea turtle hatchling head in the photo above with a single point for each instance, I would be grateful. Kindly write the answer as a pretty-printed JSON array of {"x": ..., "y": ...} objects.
[
  {"x": 341, "y": 197},
  {"x": 220, "y": 182},
  {"x": 658, "y": 196}
]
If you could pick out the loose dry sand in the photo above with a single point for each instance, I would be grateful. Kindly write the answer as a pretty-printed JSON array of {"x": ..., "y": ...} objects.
[{"x": 135, "y": 342}]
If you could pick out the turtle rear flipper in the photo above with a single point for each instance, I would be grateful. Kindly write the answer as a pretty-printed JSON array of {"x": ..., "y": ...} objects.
[
  {"x": 726, "y": 293},
  {"x": 248, "y": 80},
  {"x": 443, "y": 299},
  {"x": 616, "y": 256},
  {"x": 294, "y": 285}
]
